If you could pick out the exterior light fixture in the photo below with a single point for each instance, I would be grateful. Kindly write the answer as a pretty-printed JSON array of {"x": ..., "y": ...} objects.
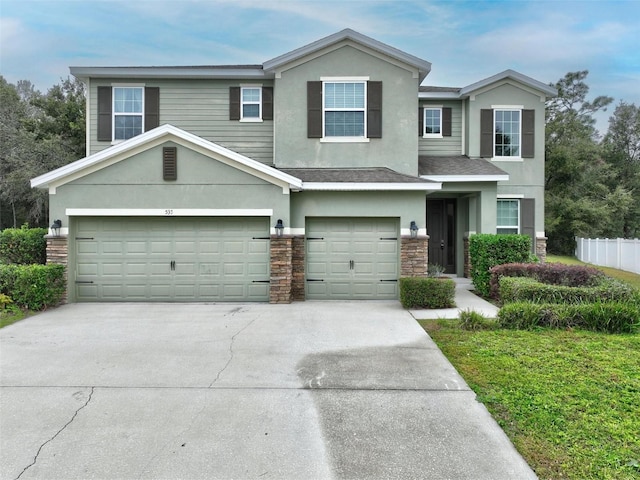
[
  {"x": 413, "y": 228},
  {"x": 55, "y": 227},
  {"x": 279, "y": 228}
]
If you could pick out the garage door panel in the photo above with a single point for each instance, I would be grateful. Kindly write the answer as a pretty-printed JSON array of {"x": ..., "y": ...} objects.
[
  {"x": 130, "y": 259},
  {"x": 352, "y": 256}
]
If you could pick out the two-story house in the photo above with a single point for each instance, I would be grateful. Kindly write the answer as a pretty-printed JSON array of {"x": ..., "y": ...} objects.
[{"x": 325, "y": 173}]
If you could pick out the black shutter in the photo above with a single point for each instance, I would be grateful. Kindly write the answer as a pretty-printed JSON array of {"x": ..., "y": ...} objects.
[
  {"x": 528, "y": 219},
  {"x": 374, "y": 109},
  {"x": 446, "y": 122},
  {"x": 528, "y": 136},
  {"x": 104, "y": 114},
  {"x": 170, "y": 163},
  {"x": 486, "y": 132},
  {"x": 314, "y": 109},
  {"x": 267, "y": 103},
  {"x": 151, "y": 108},
  {"x": 234, "y": 103},
  {"x": 420, "y": 121}
]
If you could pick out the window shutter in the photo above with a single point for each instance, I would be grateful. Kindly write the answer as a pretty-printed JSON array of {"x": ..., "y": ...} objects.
[
  {"x": 420, "y": 121},
  {"x": 374, "y": 109},
  {"x": 314, "y": 109},
  {"x": 528, "y": 137},
  {"x": 151, "y": 108},
  {"x": 267, "y": 103},
  {"x": 486, "y": 132},
  {"x": 234, "y": 103},
  {"x": 104, "y": 114},
  {"x": 170, "y": 163},
  {"x": 446, "y": 122},
  {"x": 528, "y": 219}
]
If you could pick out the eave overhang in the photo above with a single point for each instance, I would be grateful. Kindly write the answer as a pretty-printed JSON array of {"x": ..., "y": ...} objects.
[{"x": 244, "y": 72}]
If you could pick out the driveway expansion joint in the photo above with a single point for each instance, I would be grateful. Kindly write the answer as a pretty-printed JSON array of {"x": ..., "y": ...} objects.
[{"x": 35, "y": 458}]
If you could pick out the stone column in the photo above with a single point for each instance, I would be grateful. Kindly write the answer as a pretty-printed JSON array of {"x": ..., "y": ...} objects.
[
  {"x": 414, "y": 256},
  {"x": 298, "y": 261},
  {"x": 467, "y": 257},
  {"x": 281, "y": 269},
  {"x": 541, "y": 248},
  {"x": 58, "y": 253}
]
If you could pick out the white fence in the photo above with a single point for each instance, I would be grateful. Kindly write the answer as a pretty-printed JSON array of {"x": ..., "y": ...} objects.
[{"x": 620, "y": 253}]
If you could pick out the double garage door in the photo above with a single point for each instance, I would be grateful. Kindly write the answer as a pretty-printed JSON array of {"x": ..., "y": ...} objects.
[
  {"x": 171, "y": 259},
  {"x": 352, "y": 258}
]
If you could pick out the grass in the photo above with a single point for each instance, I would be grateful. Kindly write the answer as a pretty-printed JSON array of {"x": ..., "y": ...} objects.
[
  {"x": 629, "y": 277},
  {"x": 568, "y": 400},
  {"x": 11, "y": 315}
]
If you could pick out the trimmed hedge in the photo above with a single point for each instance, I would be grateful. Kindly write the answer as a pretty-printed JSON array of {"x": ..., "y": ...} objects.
[
  {"x": 33, "y": 286},
  {"x": 610, "y": 317},
  {"x": 427, "y": 292},
  {"x": 23, "y": 246},
  {"x": 549, "y": 273},
  {"x": 517, "y": 289},
  {"x": 487, "y": 250}
]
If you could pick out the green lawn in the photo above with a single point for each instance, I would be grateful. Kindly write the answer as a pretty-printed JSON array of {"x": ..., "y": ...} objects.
[
  {"x": 629, "y": 277},
  {"x": 11, "y": 315},
  {"x": 569, "y": 400}
]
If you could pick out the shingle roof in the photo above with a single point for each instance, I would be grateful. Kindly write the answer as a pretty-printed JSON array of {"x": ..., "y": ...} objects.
[
  {"x": 352, "y": 175},
  {"x": 428, "y": 88},
  {"x": 459, "y": 166}
]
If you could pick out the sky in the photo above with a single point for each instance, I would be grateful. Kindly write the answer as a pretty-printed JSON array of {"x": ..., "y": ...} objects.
[{"x": 466, "y": 41}]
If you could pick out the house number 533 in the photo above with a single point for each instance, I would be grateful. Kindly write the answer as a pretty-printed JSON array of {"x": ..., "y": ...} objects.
[{"x": 168, "y": 211}]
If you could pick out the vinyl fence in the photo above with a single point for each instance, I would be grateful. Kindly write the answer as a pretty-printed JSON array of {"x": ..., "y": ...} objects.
[{"x": 620, "y": 253}]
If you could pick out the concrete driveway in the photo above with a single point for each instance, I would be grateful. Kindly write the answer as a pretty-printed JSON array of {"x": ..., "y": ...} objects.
[{"x": 309, "y": 390}]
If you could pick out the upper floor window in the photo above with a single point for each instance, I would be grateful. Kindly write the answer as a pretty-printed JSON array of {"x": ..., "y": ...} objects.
[
  {"x": 507, "y": 133},
  {"x": 508, "y": 220},
  {"x": 344, "y": 109},
  {"x": 127, "y": 112},
  {"x": 251, "y": 103},
  {"x": 432, "y": 122}
]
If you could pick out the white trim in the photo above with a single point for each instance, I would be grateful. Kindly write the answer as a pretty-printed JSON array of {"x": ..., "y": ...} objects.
[
  {"x": 540, "y": 234},
  {"x": 463, "y": 133},
  {"x": 169, "y": 212},
  {"x": 127, "y": 84},
  {"x": 424, "y": 121},
  {"x": 297, "y": 231},
  {"x": 354, "y": 186},
  {"x": 506, "y": 159},
  {"x": 507, "y": 107},
  {"x": 405, "y": 232},
  {"x": 344, "y": 79},
  {"x": 507, "y": 227},
  {"x": 64, "y": 232},
  {"x": 87, "y": 113},
  {"x": 259, "y": 103},
  {"x": 345, "y": 139},
  {"x": 466, "y": 178},
  {"x": 438, "y": 95},
  {"x": 508, "y": 196},
  {"x": 115, "y": 114}
]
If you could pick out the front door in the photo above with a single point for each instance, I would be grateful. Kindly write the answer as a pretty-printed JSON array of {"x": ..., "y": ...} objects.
[{"x": 441, "y": 228}]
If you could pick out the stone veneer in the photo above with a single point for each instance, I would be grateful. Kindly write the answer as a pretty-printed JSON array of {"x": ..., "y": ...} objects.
[
  {"x": 281, "y": 269},
  {"x": 298, "y": 264},
  {"x": 467, "y": 258},
  {"x": 58, "y": 253},
  {"x": 541, "y": 248},
  {"x": 414, "y": 256}
]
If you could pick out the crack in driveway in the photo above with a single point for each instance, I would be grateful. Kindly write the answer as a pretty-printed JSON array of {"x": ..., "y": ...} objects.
[
  {"x": 35, "y": 458},
  {"x": 233, "y": 339}
]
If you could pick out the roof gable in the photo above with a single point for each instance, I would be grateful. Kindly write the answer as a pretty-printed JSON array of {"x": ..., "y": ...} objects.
[
  {"x": 152, "y": 138},
  {"x": 547, "y": 90},
  {"x": 347, "y": 35}
]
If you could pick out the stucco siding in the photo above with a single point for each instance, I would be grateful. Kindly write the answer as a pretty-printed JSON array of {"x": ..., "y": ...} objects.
[
  {"x": 446, "y": 145},
  {"x": 200, "y": 107},
  {"x": 399, "y": 143}
]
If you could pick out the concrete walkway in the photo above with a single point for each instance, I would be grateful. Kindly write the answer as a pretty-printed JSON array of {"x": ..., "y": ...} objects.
[
  {"x": 313, "y": 390},
  {"x": 465, "y": 300}
]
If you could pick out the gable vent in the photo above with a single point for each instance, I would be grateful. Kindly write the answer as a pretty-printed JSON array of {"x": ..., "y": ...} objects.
[{"x": 170, "y": 163}]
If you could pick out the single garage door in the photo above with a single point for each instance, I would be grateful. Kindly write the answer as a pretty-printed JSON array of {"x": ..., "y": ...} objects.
[
  {"x": 352, "y": 258},
  {"x": 166, "y": 259}
]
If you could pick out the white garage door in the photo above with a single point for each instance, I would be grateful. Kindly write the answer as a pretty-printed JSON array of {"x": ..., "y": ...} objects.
[
  {"x": 352, "y": 258},
  {"x": 171, "y": 259}
]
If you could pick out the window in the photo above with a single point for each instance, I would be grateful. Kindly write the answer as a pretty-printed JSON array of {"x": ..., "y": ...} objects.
[
  {"x": 344, "y": 109},
  {"x": 432, "y": 122},
  {"x": 507, "y": 131},
  {"x": 127, "y": 112},
  {"x": 251, "y": 103},
  {"x": 508, "y": 220}
]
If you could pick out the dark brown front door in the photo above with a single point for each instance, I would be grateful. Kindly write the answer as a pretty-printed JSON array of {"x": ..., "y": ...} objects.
[{"x": 441, "y": 228}]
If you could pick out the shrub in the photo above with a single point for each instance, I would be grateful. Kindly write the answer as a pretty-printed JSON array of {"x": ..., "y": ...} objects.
[
  {"x": 23, "y": 245},
  {"x": 470, "y": 320},
  {"x": 5, "y": 300},
  {"x": 426, "y": 292},
  {"x": 33, "y": 286},
  {"x": 488, "y": 250},
  {"x": 611, "y": 317},
  {"x": 515, "y": 289},
  {"x": 550, "y": 273}
]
